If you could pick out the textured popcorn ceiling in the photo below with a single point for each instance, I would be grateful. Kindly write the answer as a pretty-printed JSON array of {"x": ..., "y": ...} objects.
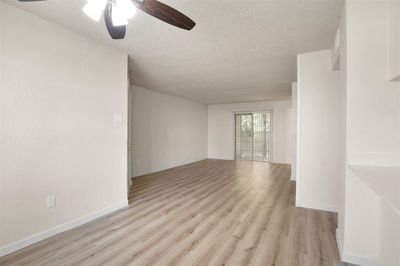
[{"x": 238, "y": 51}]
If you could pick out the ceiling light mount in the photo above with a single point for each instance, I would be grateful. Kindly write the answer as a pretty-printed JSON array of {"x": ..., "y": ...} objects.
[{"x": 139, "y": 2}]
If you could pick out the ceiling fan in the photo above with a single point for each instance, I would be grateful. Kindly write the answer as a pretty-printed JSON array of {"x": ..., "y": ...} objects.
[{"x": 118, "y": 12}]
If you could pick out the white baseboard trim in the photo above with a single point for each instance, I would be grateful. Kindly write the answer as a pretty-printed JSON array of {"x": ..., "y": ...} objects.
[
  {"x": 222, "y": 159},
  {"x": 339, "y": 244},
  {"x": 316, "y": 206},
  {"x": 20, "y": 244},
  {"x": 354, "y": 259},
  {"x": 280, "y": 162},
  {"x": 359, "y": 260}
]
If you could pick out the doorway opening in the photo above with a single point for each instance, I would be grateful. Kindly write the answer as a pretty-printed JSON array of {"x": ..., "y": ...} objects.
[{"x": 253, "y": 136}]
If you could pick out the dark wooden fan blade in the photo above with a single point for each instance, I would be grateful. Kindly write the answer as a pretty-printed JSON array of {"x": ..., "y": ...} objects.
[
  {"x": 166, "y": 14},
  {"x": 116, "y": 33}
]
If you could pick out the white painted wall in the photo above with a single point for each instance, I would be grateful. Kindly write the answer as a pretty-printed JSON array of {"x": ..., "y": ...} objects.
[
  {"x": 388, "y": 235},
  {"x": 167, "y": 131},
  {"x": 343, "y": 90},
  {"x": 293, "y": 131},
  {"x": 59, "y": 93},
  {"x": 373, "y": 102},
  {"x": 221, "y": 129},
  {"x": 372, "y": 220},
  {"x": 394, "y": 40},
  {"x": 361, "y": 222},
  {"x": 373, "y": 130},
  {"x": 319, "y": 132}
]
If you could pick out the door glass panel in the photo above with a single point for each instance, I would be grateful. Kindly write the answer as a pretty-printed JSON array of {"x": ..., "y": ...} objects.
[
  {"x": 244, "y": 137},
  {"x": 254, "y": 136}
]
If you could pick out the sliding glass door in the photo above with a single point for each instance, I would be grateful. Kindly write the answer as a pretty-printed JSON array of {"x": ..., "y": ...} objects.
[
  {"x": 244, "y": 137},
  {"x": 253, "y": 137}
]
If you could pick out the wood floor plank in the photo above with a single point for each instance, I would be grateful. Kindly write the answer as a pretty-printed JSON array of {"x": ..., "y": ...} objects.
[{"x": 211, "y": 212}]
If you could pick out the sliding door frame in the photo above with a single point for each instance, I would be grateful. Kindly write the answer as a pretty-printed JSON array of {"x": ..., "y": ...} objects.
[{"x": 252, "y": 111}]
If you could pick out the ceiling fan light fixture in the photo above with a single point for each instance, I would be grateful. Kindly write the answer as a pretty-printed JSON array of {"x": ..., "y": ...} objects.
[
  {"x": 122, "y": 10},
  {"x": 128, "y": 8},
  {"x": 94, "y": 8}
]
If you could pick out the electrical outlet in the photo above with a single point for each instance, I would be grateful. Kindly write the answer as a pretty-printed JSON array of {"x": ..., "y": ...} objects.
[{"x": 50, "y": 201}]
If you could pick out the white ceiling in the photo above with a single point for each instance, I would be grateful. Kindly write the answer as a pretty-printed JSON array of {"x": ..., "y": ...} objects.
[{"x": 238, "y": 51}]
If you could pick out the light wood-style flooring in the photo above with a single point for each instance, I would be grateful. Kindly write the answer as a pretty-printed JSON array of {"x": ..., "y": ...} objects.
[{"x": 211, "y": 212}]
